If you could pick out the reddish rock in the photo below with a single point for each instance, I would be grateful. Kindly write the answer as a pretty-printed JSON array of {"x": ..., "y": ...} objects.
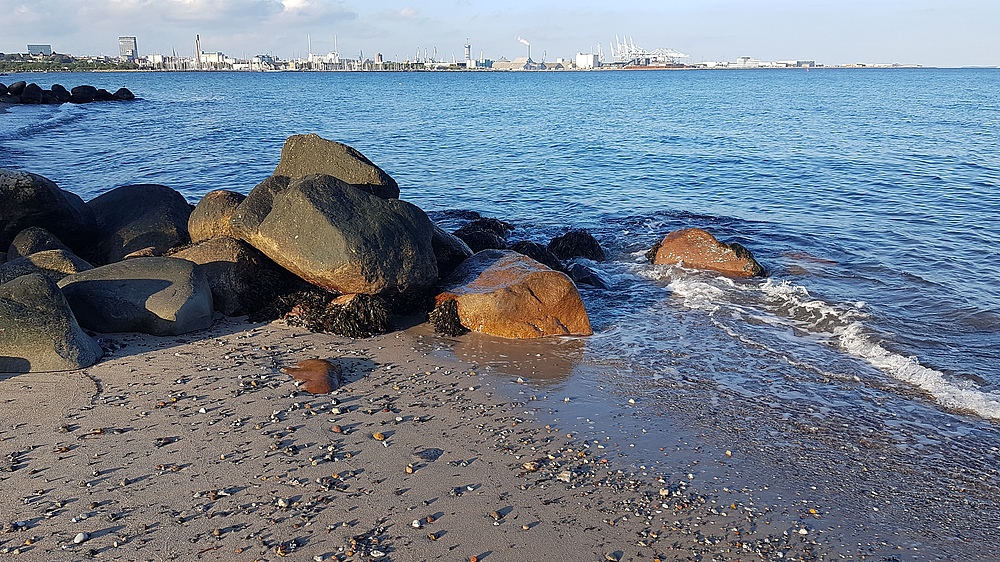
[
  {"x": 697, "y": 249},
  {"x": 210, "y": 219},
  {"x": 506, "y": 294},
  {"x": 318, "y": 376}
]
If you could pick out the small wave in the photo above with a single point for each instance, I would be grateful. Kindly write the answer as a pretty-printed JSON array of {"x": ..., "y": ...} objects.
[
  {"x": 43, "y": 118},
  {"x": 964, "y": 395},
  {"x": 784, "y": 304}
]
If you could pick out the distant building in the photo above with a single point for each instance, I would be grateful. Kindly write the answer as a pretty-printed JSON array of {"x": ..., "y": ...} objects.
[
  {"x": 587, "y": 61},
  {"x": 127, "y": 48},
  {"x": 40, "y": 50}
]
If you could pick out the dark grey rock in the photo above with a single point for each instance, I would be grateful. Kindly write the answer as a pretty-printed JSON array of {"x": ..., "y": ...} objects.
[
  {"x": 54, "y": 264},
  {"x": 449, "y": 250},
  {"x": 242, "y": 279},
  {"x": 133, "y": 218},
  {"x": 28, "y": 199},
  {"x": 306, "y": 155},
  {"x": 537, "y": 252},
  {"x": 577, "y": 243},
  {"x": 339, "y": 237}
]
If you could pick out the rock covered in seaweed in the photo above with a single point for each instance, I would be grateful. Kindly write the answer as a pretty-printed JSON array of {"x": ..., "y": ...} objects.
[
  {"x": 507, "y": 294},
  {"x": 698, "y": 249},
  {"x": 38, "y": 331}
]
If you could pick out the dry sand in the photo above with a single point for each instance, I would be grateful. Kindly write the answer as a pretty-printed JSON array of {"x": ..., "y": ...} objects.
[{"x": 199, "y": 447}]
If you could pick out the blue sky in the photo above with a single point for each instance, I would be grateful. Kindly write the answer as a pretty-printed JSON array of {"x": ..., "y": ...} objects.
[{"x": 933, "y": 33}]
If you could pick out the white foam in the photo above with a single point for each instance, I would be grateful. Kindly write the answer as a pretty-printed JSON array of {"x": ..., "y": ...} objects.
[{"x": 964, "y": 395}]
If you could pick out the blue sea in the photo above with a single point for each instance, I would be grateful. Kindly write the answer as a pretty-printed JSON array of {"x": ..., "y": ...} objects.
[{"x": 861, "y": 375}]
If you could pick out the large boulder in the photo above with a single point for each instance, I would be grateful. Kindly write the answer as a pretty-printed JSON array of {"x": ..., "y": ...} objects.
[
  {"x": 136, "y": 217},
  {"x": 576, "y": 244},
  {"x": 32, "y": 94},
  {"x": 54, "y": 264},
  {"x": 17, "y": 88},
  {"x": 507, "y": 294},
  {"x": 38, "y": 331},
  {"x": 485, "y": 233},
  {"x": 159, "y": 296},
  {"x": 123, "y": 94},
  {"x": 698, "y": 249},
  {"x": 83, "y": 94},
  {"x": 61, "y": 93},
  {"x": 339, "y": 237},
  {"x": 34, "y": 239},
  {"x": 28, "y": 199},
  {"x": 306, "y": 155},
  {"x": 449, "y": 250},
  {"x": 242, "y": 279},
  {"x": 210, "y": 218}
]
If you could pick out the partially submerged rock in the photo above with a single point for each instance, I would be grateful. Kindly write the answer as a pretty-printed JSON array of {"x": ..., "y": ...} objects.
[
  {"x": 510, "y": 295},
  {"x": 539, "y": 253},
  {"x": 211, "y": 217},
  {"x": 317, "y": 376},
  {"x": 306, "y": 155},
  {"x": 449, "y": 250},
  {"x": 135, "y": 217},
  {"x": 698, "y": 249},
  {"x": 339, "y": 237},
  {"x": 577, "y": 244},
  {"x": 485, "y": 233},
  {"x": 38, "y": 331},
  {"x": 159, "y": 296}
]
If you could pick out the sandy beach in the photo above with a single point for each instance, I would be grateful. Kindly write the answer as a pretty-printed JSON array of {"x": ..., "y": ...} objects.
[{"x": 199, "y": 447}]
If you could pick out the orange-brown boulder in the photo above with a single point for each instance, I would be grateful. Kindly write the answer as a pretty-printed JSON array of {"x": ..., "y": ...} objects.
[
  {"x": 507, "y": 294},
  {"x": 318, "y": 376},
  {"x": 698, "y": 249},
  {"x": 210, "y": 218}
]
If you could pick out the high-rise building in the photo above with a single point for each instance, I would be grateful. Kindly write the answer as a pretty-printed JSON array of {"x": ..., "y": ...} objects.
[{"x": 127, "y": 48}]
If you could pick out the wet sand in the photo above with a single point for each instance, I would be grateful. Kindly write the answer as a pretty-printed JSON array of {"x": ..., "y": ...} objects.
[{"x": 199, "y": 447}]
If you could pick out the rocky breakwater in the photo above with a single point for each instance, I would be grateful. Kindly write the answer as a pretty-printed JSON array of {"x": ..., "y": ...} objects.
[
  {"x": 324, "y": 240},
  {"x": 22, "y": 92}
]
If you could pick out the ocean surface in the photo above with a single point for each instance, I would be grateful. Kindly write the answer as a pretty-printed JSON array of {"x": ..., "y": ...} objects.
[{"x": 863, "y": 372}]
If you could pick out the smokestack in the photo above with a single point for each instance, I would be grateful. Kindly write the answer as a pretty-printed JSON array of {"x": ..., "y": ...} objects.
[{"x": 197, "y": 52}]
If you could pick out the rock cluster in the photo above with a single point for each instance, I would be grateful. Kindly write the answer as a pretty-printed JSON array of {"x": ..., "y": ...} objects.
[
  {"x": 31, "y": 93},
  {"x": 324, "y": 242}
]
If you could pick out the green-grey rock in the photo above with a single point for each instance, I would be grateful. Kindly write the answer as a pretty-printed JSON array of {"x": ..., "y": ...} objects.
[
  {"x": 156, "y": 295},
  {"x": 306, "y": 155},
  {"x": 38, "y": 331},
  {"x": 339, "y": 237}
]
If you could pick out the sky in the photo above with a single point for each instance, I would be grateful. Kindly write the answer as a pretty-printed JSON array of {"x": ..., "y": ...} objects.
[{"x": 931, "y": 33}]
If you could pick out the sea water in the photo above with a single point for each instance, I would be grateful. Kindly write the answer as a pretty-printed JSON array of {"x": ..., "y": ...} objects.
[{"x": 864, "y": 369}]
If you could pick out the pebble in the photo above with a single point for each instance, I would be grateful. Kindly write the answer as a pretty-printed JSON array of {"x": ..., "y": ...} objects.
[{"x": 81, "y": 538}]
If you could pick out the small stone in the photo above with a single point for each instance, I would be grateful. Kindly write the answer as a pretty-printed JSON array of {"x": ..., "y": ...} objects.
[
  {"x": 81, "y": 538},
  {"x": 416, "y": 524},
  {"x": 803, "y": 531},
  {"x": 565, "y": 476},
  {"x": 378, "y": 436}
]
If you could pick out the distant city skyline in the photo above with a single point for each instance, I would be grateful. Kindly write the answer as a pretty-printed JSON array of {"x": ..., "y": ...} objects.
[{"x": 931, "y": 33}]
